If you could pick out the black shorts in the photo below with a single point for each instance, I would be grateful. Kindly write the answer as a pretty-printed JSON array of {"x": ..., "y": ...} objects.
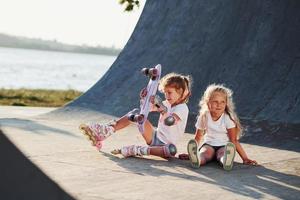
[{"x": 216, "y": 148}]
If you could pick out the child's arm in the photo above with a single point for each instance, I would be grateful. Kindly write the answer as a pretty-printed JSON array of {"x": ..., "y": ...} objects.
[
  {"x": 233, "y": 138},
  {"x": 199, "y": 135}
]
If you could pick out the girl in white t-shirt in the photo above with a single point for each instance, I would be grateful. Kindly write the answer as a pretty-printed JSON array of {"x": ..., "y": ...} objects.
[
  {"x": 161, "y": 141},
  {"x": 219, "y": 127}
]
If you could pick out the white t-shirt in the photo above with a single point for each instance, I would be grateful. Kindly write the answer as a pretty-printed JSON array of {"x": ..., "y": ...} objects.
[
  {"x": 171, "y": 134},
  {"x": 216, "y": 131}
]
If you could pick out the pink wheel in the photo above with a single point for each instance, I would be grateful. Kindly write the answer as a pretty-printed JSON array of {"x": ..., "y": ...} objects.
[
  {"x": 139, "y": 118},
  {"x": 99, "y": 145},
  {"x": 153, "y": 73}
]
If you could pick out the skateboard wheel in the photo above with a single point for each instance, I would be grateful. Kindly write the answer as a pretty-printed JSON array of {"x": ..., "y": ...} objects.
[
  {"x": 145, "y": 71},
  {"x": 131, "y": 117},
  {"x": 143, "y": 93},
  {"x": 139, "y": 118},
  {"x": 151, "y": 72},
  {"x": 136, "y": 118}
]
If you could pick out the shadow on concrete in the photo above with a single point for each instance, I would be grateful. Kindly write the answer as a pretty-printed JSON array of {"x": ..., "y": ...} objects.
[
  {"x": 249, "y": 181},
  {"x": 21, "y": 179},
  {"x": 33, "y": 126}
]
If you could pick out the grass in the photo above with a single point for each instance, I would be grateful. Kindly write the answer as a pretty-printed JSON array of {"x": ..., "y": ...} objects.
[{"x": 37, "y": 97}]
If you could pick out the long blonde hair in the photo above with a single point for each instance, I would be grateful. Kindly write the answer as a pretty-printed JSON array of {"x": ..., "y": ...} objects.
[{"x": 229, "y": 109}]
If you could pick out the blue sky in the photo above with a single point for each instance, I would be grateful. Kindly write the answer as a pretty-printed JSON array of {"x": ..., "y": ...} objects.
[{"x": 91, "y": 22}]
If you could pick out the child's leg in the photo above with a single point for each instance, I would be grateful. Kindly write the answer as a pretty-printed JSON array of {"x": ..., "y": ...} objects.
[
  {"x": 225, "y": 156},
  {"x": 165, "y": 151},
  {"x": 97, "y": 132},
  {"x": 148, "y": 132},
  {"x": 207, "y": 153},
  {"x": 120, "y": 123},
  {"x": 199, "y": 157}
]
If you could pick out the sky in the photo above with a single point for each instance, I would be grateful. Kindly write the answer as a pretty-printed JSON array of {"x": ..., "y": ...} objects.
[{"x": 90, "y": 22}]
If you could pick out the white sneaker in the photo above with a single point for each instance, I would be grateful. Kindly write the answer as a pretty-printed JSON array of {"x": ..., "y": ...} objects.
[
  {"x": 228, "y": 156},
  {"x": 194, "y": 156}
]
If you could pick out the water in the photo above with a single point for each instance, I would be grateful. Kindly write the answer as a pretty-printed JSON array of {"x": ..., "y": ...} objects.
[{"x": 35, "y": 69}]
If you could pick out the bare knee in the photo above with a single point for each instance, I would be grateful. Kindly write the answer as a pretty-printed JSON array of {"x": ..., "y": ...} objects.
[
  {"x": 206, "y": 154},
  {"x": 220, "y": 153}
]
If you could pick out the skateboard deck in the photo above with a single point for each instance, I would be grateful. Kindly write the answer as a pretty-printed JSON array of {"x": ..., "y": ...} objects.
[{"x": 147, "y": 93}]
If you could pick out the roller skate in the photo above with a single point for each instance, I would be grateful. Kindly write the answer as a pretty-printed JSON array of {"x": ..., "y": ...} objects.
[
  {"x": 96, "y": 133},
  {"x": 132, "y": 150}
]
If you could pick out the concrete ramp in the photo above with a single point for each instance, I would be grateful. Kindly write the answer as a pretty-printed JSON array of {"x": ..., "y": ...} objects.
[{"x": 252, "y": 46}]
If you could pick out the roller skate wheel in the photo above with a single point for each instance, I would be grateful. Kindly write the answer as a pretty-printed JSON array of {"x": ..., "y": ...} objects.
[{"x": 116, "y": 151}]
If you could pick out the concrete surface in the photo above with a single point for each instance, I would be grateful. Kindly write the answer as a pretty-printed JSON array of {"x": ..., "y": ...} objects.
[{"x": 59, "y": 150}]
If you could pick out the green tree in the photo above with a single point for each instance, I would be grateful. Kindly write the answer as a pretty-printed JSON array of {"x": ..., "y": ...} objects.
[{"x": 129, "y": 4}]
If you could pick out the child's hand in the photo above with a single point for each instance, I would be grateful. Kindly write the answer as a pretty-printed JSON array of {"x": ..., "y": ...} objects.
[
  {"x": 153, "y": 108},
  {"x": 249, "y": 162},
  {"x": 183, "y": 156}
]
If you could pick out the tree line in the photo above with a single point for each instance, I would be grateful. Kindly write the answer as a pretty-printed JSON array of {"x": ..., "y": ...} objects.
[{"x": 53, "y": 45}]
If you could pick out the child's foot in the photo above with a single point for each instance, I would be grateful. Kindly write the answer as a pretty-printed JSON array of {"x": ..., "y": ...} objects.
[
  {"x": 96, "y": 133},
  {"x": 192, "y": 149},
  {"x": 134, "y": 150},
  {"x": 228, "y": 156}
]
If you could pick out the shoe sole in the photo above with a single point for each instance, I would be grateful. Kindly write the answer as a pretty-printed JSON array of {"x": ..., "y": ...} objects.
[
  {"x": 229, "y": 156},
  {"x": 192, "y": 149}
]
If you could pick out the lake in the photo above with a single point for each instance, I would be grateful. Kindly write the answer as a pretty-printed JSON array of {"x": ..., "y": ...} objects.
[{"x": 36, "y": 69}]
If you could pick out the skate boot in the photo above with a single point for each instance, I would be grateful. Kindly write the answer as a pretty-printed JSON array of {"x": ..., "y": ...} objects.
[
  {"x": 134, "y": 150},
  {"x": 96, "y": 132}
]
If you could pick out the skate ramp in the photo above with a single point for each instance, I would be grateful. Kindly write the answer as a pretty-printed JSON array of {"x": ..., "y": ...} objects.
[
  {"x": 21, "y": 179},
  {"x": 250, "y": 46}
]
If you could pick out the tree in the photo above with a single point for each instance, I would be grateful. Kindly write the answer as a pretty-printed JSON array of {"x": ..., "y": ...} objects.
[{"x": 129, "y": 4}]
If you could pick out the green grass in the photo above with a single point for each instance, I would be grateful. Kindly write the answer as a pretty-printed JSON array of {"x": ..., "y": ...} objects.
[{"x": 37, "y": 97}]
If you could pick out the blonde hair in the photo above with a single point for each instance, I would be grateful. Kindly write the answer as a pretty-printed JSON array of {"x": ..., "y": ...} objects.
[
  {"x": 229, "y": 109},
  {"x": 181, "y": 83}
]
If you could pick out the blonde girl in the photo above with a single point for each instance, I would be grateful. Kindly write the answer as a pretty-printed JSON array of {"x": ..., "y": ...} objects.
[
  {"x": 219, "y": 126},
  {"x": 161, "y": 141}
]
